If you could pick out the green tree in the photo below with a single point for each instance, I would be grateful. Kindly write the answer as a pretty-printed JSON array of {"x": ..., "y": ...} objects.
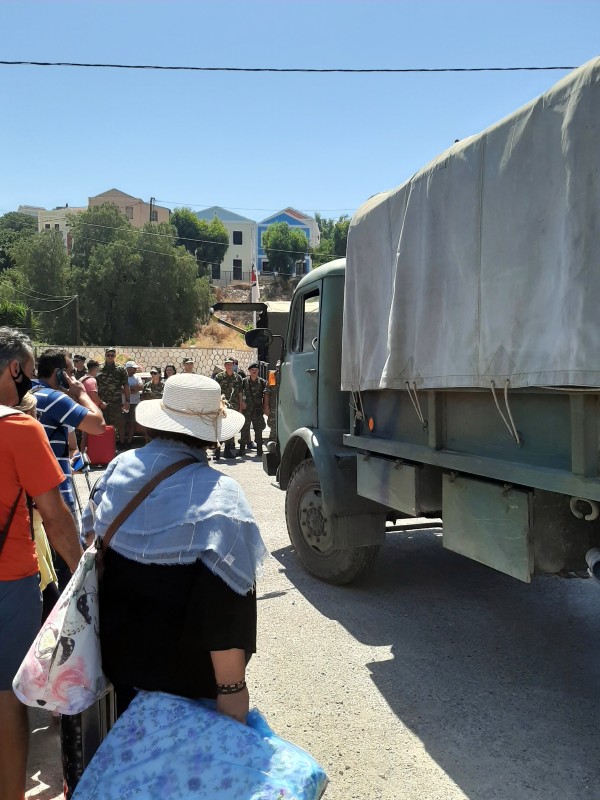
[
  {"x": 107, "y": 291},
  {"x": 138, "y": 289},
  {"x": 98, "y": 225},
  {"x": 170, "y": 308},
  {"x": 188, "y": 228},
  {"x": 42, "y": 280},
  {"x": 13, "y": 228},
  {"x": 206, "y": 299},
  {"x": 334, "y": 236},
  {"x": 206, "y": 241},
  {"x": 284, "y": 247}
]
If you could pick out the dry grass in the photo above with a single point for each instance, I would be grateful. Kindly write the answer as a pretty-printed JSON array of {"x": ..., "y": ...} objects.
[{"x": 217, "y": 336}]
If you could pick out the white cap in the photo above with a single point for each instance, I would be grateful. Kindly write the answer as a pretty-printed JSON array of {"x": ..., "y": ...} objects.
[{"x": 131, "y": 365}]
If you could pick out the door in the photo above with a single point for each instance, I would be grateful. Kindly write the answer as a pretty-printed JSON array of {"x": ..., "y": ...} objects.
[{"x": 299, "y": 371}]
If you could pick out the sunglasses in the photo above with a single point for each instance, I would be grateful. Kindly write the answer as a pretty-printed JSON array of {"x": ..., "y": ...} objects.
[{"x": 110, "y": 355}]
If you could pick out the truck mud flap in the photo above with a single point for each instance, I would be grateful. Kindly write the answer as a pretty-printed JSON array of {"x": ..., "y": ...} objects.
[{"x": 489, "y": 523}]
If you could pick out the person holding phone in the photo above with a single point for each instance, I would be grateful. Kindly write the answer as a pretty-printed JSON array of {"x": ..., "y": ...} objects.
[{"x": 62, "y": 402}]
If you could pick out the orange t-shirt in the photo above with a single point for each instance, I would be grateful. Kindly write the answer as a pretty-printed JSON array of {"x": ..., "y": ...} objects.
[{"x": 26, "y": 462}]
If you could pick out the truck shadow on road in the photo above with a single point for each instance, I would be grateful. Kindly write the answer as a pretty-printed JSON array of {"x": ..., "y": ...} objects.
[{"x": 499, "y": 680}]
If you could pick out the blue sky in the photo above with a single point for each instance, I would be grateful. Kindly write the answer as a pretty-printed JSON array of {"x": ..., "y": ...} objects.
[{"x": 258, "y": 142}]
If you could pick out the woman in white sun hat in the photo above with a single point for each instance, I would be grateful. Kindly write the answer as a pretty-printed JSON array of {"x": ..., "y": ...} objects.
[{"x": 177, "y": 601}]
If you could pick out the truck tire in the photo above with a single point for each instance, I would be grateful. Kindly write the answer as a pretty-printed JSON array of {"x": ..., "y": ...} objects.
[{"x": 309, "y": 532}]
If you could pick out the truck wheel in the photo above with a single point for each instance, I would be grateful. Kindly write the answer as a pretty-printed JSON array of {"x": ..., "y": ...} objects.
[{"x": 311, "y": 534}]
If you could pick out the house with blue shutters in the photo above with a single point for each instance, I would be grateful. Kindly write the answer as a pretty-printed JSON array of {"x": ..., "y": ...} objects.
[
  {"x": 295, "y": 219},
  {"x": 240, "y": 255}
]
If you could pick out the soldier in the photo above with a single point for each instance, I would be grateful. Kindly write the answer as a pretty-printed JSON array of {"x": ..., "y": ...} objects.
[
  {"x": 188, "y": 366},
  {"x": 113, "y": 381},
  {"x": 154, "y": 388},
  {"x": 79, "y": 364},
  {"x": 231, "y": 389},
  {"x": 255, "y": 403}
]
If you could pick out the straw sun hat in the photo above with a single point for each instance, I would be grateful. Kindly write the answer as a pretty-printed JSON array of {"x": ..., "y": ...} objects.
[{"x": 191, "y": 404}]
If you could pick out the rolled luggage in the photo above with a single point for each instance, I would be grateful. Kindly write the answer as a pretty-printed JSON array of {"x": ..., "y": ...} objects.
[
  {"x": 102, "y": 449},
  {"x": 80, "y": 737}
]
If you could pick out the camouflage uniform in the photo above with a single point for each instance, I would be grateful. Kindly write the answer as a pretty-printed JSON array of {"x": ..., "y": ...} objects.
[
  {"x": 152, "y": 391},
  {"x": 231, "y": 388},
  {"x": 253, "y": 393},
  {"x": 110, "y": 379}
]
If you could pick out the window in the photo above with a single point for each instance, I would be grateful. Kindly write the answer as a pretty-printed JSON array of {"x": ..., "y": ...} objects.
[
  {"x": 56, "y": 226},
  {"x": 153, "y": 215},
  {"x": 237, "y": 237},
  {"x": 216, "y": 272},
  {"x": 47, "y": 226},
  {"x": 266, "y": 267},
  {"x": 305, "y": 324},
  {"x": 237, "y": 269},
  {"x": 129, "y": 212},
  {"x": 311, "y": 320}
]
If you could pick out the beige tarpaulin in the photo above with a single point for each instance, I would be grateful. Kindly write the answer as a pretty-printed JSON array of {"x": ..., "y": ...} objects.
[{"x": 486, "y": 264}]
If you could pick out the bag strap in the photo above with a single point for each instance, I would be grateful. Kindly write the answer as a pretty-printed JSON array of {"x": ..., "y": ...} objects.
[
  {"x": 8, "y": 411},
  {"x": 4, "y": 532},
  {"x": 141, "y": 495}
]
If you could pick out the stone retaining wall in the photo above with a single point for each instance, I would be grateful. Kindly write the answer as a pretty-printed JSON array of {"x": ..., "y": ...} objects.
[{"x": 205, "y": 358}]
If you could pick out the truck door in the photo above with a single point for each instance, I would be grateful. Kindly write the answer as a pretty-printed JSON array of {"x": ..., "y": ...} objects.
[{"x": 299, "y": 371}]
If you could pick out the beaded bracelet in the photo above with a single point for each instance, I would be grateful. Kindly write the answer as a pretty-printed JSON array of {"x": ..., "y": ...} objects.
[{"x": 231, "y": 688}]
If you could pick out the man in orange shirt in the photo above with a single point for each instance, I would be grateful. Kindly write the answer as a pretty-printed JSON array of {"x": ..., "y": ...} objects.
[{"x": 27, "y": 468}]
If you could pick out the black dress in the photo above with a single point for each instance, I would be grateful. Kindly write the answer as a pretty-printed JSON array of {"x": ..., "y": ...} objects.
[{"x": 158, "y": 624}]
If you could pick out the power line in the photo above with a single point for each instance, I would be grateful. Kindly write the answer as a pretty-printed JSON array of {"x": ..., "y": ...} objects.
[
  {"x": 170, "y": 255},
  {"x": 164, "y": 235},
  {"x": 43, "y": 298},
  {"x": 338, "y": 70},
  {"x": 52, "y": 310}
]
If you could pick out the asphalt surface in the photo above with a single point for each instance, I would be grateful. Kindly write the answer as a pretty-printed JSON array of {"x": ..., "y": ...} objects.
[{"x": 435, "y": 678}]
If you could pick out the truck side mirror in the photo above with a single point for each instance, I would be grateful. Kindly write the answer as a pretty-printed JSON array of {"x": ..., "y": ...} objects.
[{"x": 258, "y": 337}]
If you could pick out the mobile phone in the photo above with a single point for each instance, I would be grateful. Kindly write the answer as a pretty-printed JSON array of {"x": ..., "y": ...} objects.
[
  {"x": 61, "y": 377},
  {"x": 78, "y": 462}
]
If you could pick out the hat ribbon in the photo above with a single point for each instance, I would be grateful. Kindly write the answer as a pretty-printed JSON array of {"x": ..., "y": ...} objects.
[{"x": 210, "y": 417}]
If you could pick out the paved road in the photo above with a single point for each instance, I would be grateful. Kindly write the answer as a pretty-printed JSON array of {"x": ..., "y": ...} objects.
[{"x": 437, "y": 678}]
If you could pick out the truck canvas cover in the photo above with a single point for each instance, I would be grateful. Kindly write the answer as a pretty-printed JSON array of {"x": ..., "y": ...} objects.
[{"x": 485, "y": 266}]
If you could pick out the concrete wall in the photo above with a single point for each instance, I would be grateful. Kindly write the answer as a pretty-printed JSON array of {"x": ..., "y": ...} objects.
[{"x": 205, "y": 359}]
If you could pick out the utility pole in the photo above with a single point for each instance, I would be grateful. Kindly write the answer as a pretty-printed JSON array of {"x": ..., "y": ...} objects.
[{"x": 77, "y": 322}]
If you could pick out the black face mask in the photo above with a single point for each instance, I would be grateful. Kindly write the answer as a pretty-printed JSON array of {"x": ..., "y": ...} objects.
[{"x": 24, "y": 385}]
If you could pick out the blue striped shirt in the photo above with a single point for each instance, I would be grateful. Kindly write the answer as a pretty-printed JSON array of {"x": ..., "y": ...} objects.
[{"x": 56, "y": 412}]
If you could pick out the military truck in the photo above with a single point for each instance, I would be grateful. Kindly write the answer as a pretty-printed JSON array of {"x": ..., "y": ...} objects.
[{"x": 450, "y": 366}]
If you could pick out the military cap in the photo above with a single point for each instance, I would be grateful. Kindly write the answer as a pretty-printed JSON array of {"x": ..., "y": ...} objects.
[
  {"x": 254, "y": 365},
  {"x": 188, "y": 361},
  {"x": 229, "y": 361},
  {"x": 110, "y": 350},
  {"x": 78, "y": 357}
]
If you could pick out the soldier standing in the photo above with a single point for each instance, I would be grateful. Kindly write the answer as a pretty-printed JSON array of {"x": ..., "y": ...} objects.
[
  {"x": 79, "y": 364},
  {"x": 154, "y": 388},
  {"x": 255, "y": 403},
  {"x": 231, "y": 388},
  {"x": 113, "y": 381}
]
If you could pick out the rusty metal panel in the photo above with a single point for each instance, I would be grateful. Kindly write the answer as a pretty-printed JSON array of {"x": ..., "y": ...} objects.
[{"x": 488, "y": 523}]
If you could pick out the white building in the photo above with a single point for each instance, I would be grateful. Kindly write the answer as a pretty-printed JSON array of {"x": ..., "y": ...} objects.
[
  {"x": 56, "y": 220},
  {"x": 240, "y": 255}
]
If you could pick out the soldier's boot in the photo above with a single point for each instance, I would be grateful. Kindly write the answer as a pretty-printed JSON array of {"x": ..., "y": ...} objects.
[
  {"x": 217, "y": 455},
  {"x": 229, "y": 451},
  {"x": 242, "y": 450},
  {"x": 259, "y": 447}
]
